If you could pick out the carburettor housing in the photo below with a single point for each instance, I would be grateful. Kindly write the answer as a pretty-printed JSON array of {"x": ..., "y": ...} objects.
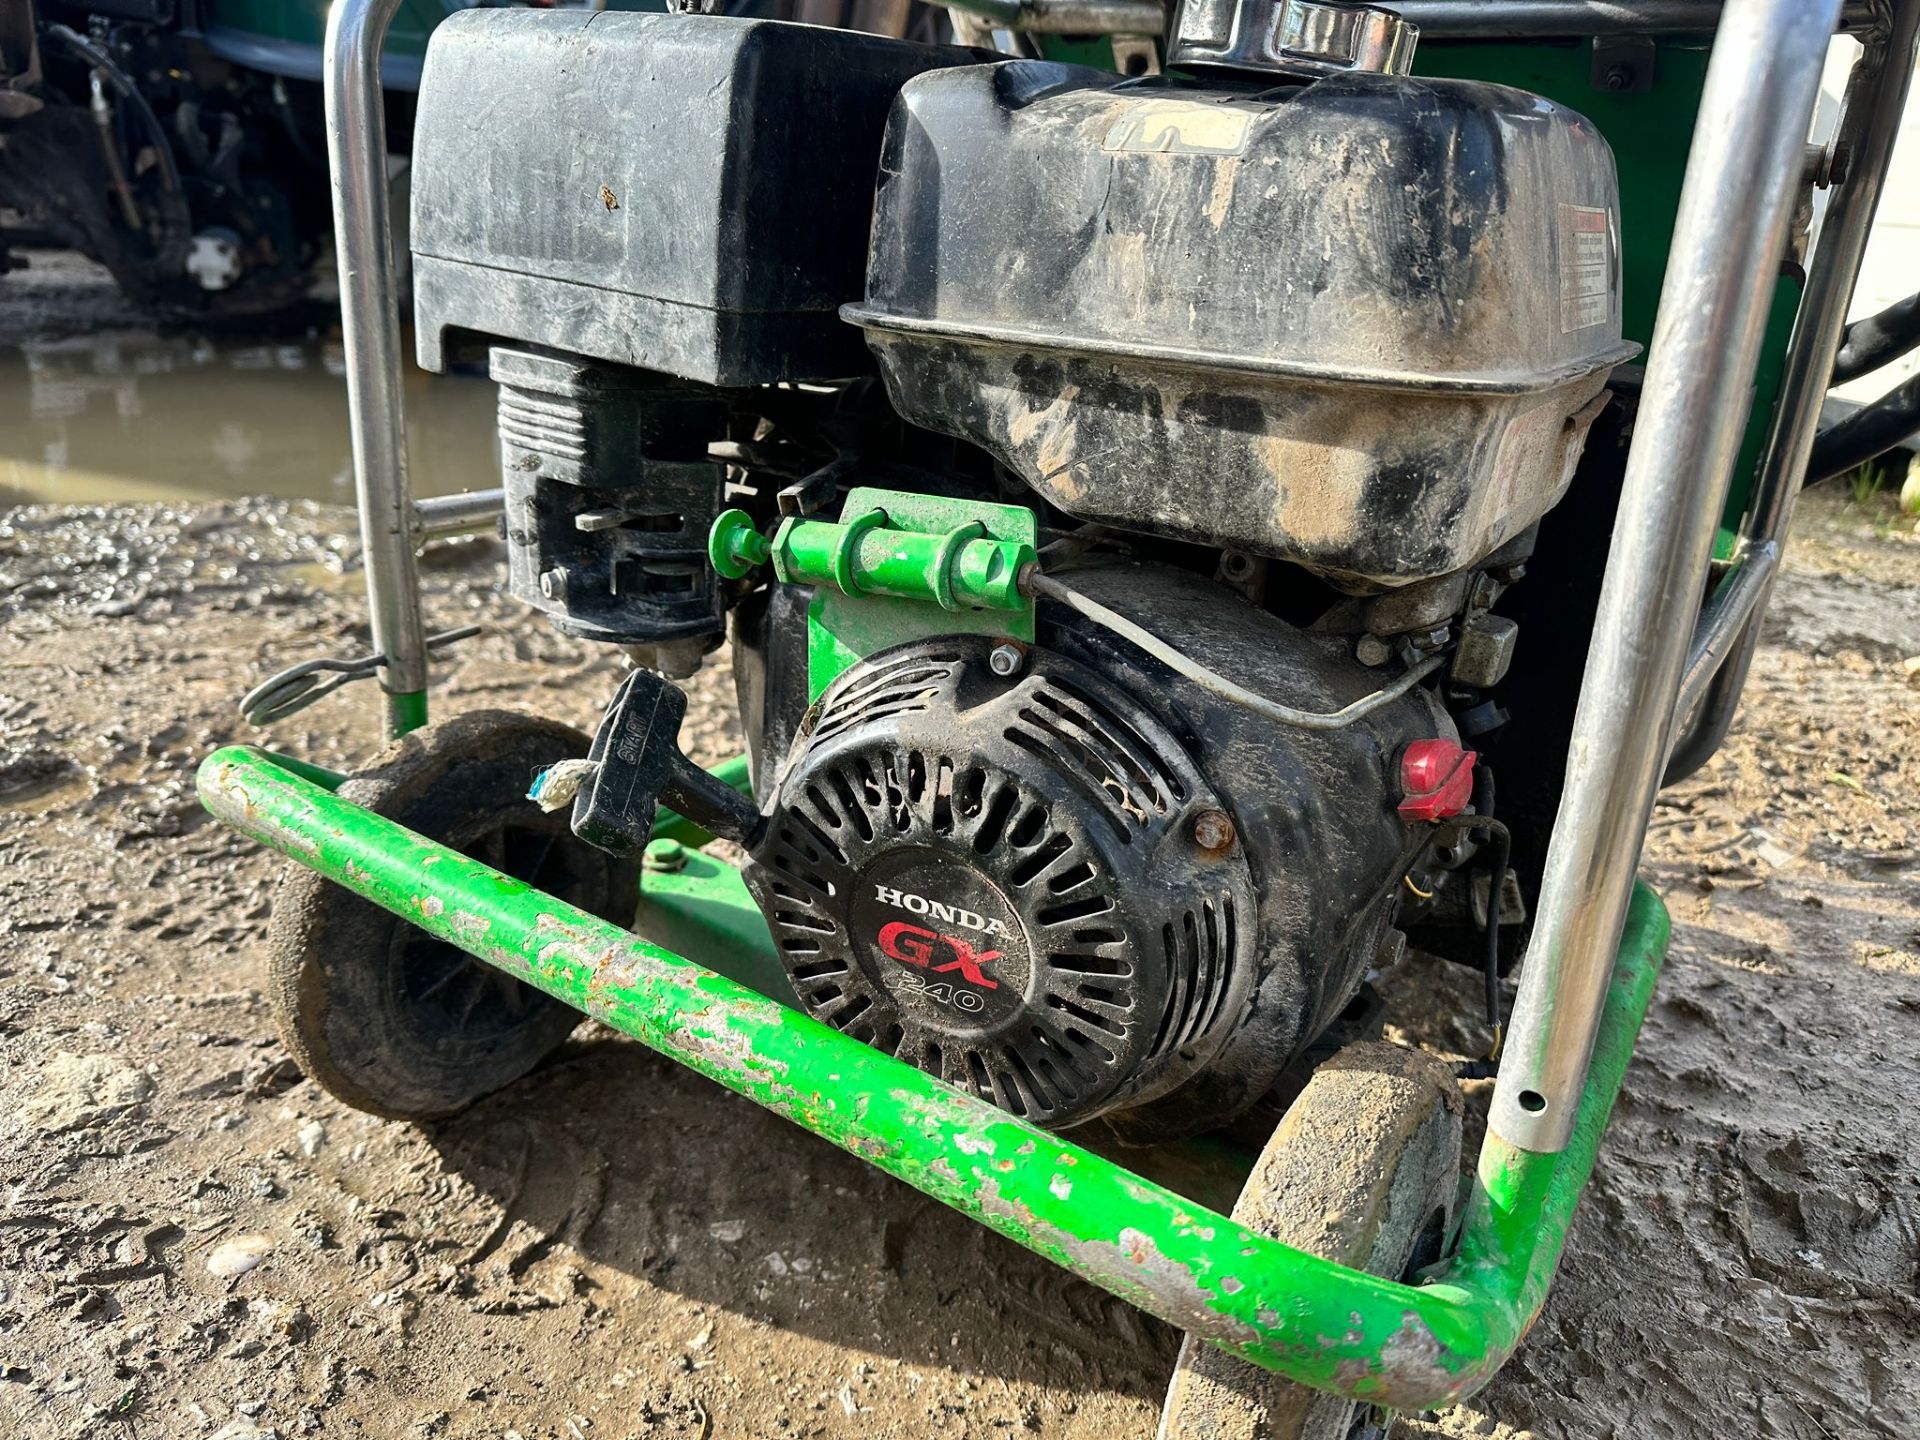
[{"x": 1360, "y": 324}]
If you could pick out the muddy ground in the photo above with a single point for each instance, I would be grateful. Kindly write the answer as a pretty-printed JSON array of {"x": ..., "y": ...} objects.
[{"x": 196, "y": 1242}]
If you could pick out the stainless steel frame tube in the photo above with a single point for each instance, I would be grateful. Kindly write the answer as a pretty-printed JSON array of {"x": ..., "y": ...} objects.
[
  {"x": 1736, "y": 600},
  {"x": 1875, "y": 100},
  {"x": 370, "y": 327},
  {"x": 1519, "y": 19},
  {"x": 1746, "y": 162},
  {"x": 1437, "y": 19}
]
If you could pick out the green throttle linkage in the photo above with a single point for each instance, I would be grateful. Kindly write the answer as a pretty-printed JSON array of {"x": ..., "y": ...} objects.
[{"x": 960, "y": 569}]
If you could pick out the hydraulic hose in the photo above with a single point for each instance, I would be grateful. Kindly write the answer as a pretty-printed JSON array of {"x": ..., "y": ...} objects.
[
  {"x": 1878, "y": 340},
  {"x": 104, "y": 63},
  {"x": 1054, "y": 589},
  {"x": 1885, "y": 425}
]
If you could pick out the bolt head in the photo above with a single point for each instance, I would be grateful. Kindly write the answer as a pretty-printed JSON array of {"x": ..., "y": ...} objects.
[
  {"x": 553, "y": 584},
  {"x": 1006, "y": 660},
  {"x": 1372, "y": 651},
  {"x": 1213, "y": 831},
  {"x": 664, "y": 857}
]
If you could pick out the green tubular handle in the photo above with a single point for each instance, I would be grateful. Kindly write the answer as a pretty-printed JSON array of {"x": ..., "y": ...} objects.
[
  {"x": 1408, "y": 1347},
  {"x": 959, "y": 569}
]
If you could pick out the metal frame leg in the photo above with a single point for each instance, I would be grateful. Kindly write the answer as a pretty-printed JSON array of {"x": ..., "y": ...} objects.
[
  {"x": 370, "y": 328},
  {"x": 1876, "y": 98},
  {"x": 1747, "y": 157}
]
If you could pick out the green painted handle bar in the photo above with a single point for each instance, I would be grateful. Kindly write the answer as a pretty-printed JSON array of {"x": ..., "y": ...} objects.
[{"x": 1407, "y": 1347}]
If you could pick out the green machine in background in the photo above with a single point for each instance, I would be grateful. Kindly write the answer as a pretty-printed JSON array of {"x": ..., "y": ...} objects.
[{"x": 289, "y": 38}]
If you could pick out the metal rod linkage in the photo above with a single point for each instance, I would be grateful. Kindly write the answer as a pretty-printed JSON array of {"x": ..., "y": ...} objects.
[
  {"x": 1745, "y": 164},
  {"x": 1436, "y": 19},
  {"x": 1735, "y": 601},
  {"x": 473, "y": 510},
  {"x": 1876, "y": 99},
  {"x": 370, "y": 329}
]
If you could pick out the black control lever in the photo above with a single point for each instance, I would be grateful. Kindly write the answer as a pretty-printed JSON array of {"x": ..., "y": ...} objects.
[{"x": 637, "y": 766}]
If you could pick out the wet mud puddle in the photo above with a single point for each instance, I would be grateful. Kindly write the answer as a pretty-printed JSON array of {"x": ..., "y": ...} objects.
[{"x": 137, "y": 415}]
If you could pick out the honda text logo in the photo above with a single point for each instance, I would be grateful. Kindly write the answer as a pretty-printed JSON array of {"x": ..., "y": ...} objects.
[{"x": 934, "y": 910}]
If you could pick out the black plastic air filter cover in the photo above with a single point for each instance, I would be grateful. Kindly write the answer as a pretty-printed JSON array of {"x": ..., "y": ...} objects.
[
  {"x": 689, "y": 194},
  {"x": 998, "y": 881}
]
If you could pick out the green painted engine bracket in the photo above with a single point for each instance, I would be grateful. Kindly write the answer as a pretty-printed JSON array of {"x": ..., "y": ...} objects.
[
  {"x": 693, "y": 903},
  {"x": 1408, "y": 1347},
  {"x": 960, "y": 559}
]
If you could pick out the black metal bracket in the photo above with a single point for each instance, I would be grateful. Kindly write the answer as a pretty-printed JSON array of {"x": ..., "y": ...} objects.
[{"x": 1624, "y": 64}]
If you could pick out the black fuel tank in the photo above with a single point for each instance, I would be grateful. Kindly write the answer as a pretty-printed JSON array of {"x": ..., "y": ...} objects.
[{"x": 1360, "y": 324}]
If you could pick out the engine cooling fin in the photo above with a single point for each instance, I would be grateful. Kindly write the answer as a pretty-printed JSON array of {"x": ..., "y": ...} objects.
[{"x": 997, "y": 880}]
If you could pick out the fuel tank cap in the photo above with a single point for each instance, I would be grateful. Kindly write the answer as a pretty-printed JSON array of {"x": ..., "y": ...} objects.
[{"x": 1307, "y": 38}]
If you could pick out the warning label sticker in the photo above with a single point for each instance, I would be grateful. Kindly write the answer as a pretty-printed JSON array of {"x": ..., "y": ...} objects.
[
  {"x": 1181, "y": 127},
  {"x": 1586, "y": 267}
]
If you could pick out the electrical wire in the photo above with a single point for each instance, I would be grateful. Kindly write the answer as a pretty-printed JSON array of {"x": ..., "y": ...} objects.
[
  {"x": 1052, "y": 588},
  {"x": 118, "y": 78},
  {"x": 1485, "y": 830}
]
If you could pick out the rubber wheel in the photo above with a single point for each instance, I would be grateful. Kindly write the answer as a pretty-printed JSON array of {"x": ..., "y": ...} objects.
[
  {"x": 380, "y": 1014},
  {"x": 1363, "y": 1169}
]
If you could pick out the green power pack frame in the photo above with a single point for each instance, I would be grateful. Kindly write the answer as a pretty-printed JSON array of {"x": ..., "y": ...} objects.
[{"x": 1739, "y": 354}]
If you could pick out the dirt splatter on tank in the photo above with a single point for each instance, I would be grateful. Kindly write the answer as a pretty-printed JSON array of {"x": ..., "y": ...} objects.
[{"x": 1362, "y": 324}]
